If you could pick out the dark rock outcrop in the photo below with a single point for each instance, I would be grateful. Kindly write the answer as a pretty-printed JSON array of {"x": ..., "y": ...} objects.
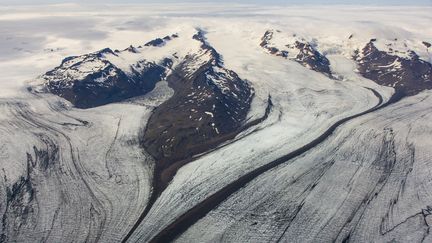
[
  {"x": 307, "y": 55},
  {"x": 408, "y": 75},
  {"x": 161, "y": 41},
  {"x": 155, "y": 42},
  {"x": 90, "y": 80},
  {"x": 209, "y": 105},
  {"x": 311, "y": 58}
]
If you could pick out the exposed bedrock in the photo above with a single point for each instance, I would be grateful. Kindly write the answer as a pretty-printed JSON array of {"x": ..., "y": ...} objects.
[
  {"x": 88, "y": 81},
  {"x": 299, "y": 50},
  {"x": 209, "y": 103},
  {"x": 407, "y": 75},
  {"x": 92, "y": 80}
]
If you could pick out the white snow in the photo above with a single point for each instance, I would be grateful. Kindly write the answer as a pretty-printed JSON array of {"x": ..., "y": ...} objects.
[{"x": 209, "y": 113}]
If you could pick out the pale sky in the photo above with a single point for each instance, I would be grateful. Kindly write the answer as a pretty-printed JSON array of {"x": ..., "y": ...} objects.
[{"x": 283, "y": 2}]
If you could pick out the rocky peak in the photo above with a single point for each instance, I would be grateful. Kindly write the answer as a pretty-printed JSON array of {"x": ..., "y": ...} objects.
[
  {"x": 297, "y": 49},
  {"x": 92, "y": 80},
  {"x": 161, "y": 41},
  {"x": 207, "y": 48},
  {"x": 131, "y": 49}
]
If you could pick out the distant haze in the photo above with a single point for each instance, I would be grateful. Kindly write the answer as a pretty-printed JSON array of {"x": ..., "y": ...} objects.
[{"x": 280, "y": 2}]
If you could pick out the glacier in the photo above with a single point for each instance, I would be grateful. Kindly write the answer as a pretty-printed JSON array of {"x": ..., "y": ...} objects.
[{"x": 95, "y": 173}]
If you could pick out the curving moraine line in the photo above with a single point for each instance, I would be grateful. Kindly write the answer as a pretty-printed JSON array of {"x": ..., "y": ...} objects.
[{"x": 189, "y": 218}]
